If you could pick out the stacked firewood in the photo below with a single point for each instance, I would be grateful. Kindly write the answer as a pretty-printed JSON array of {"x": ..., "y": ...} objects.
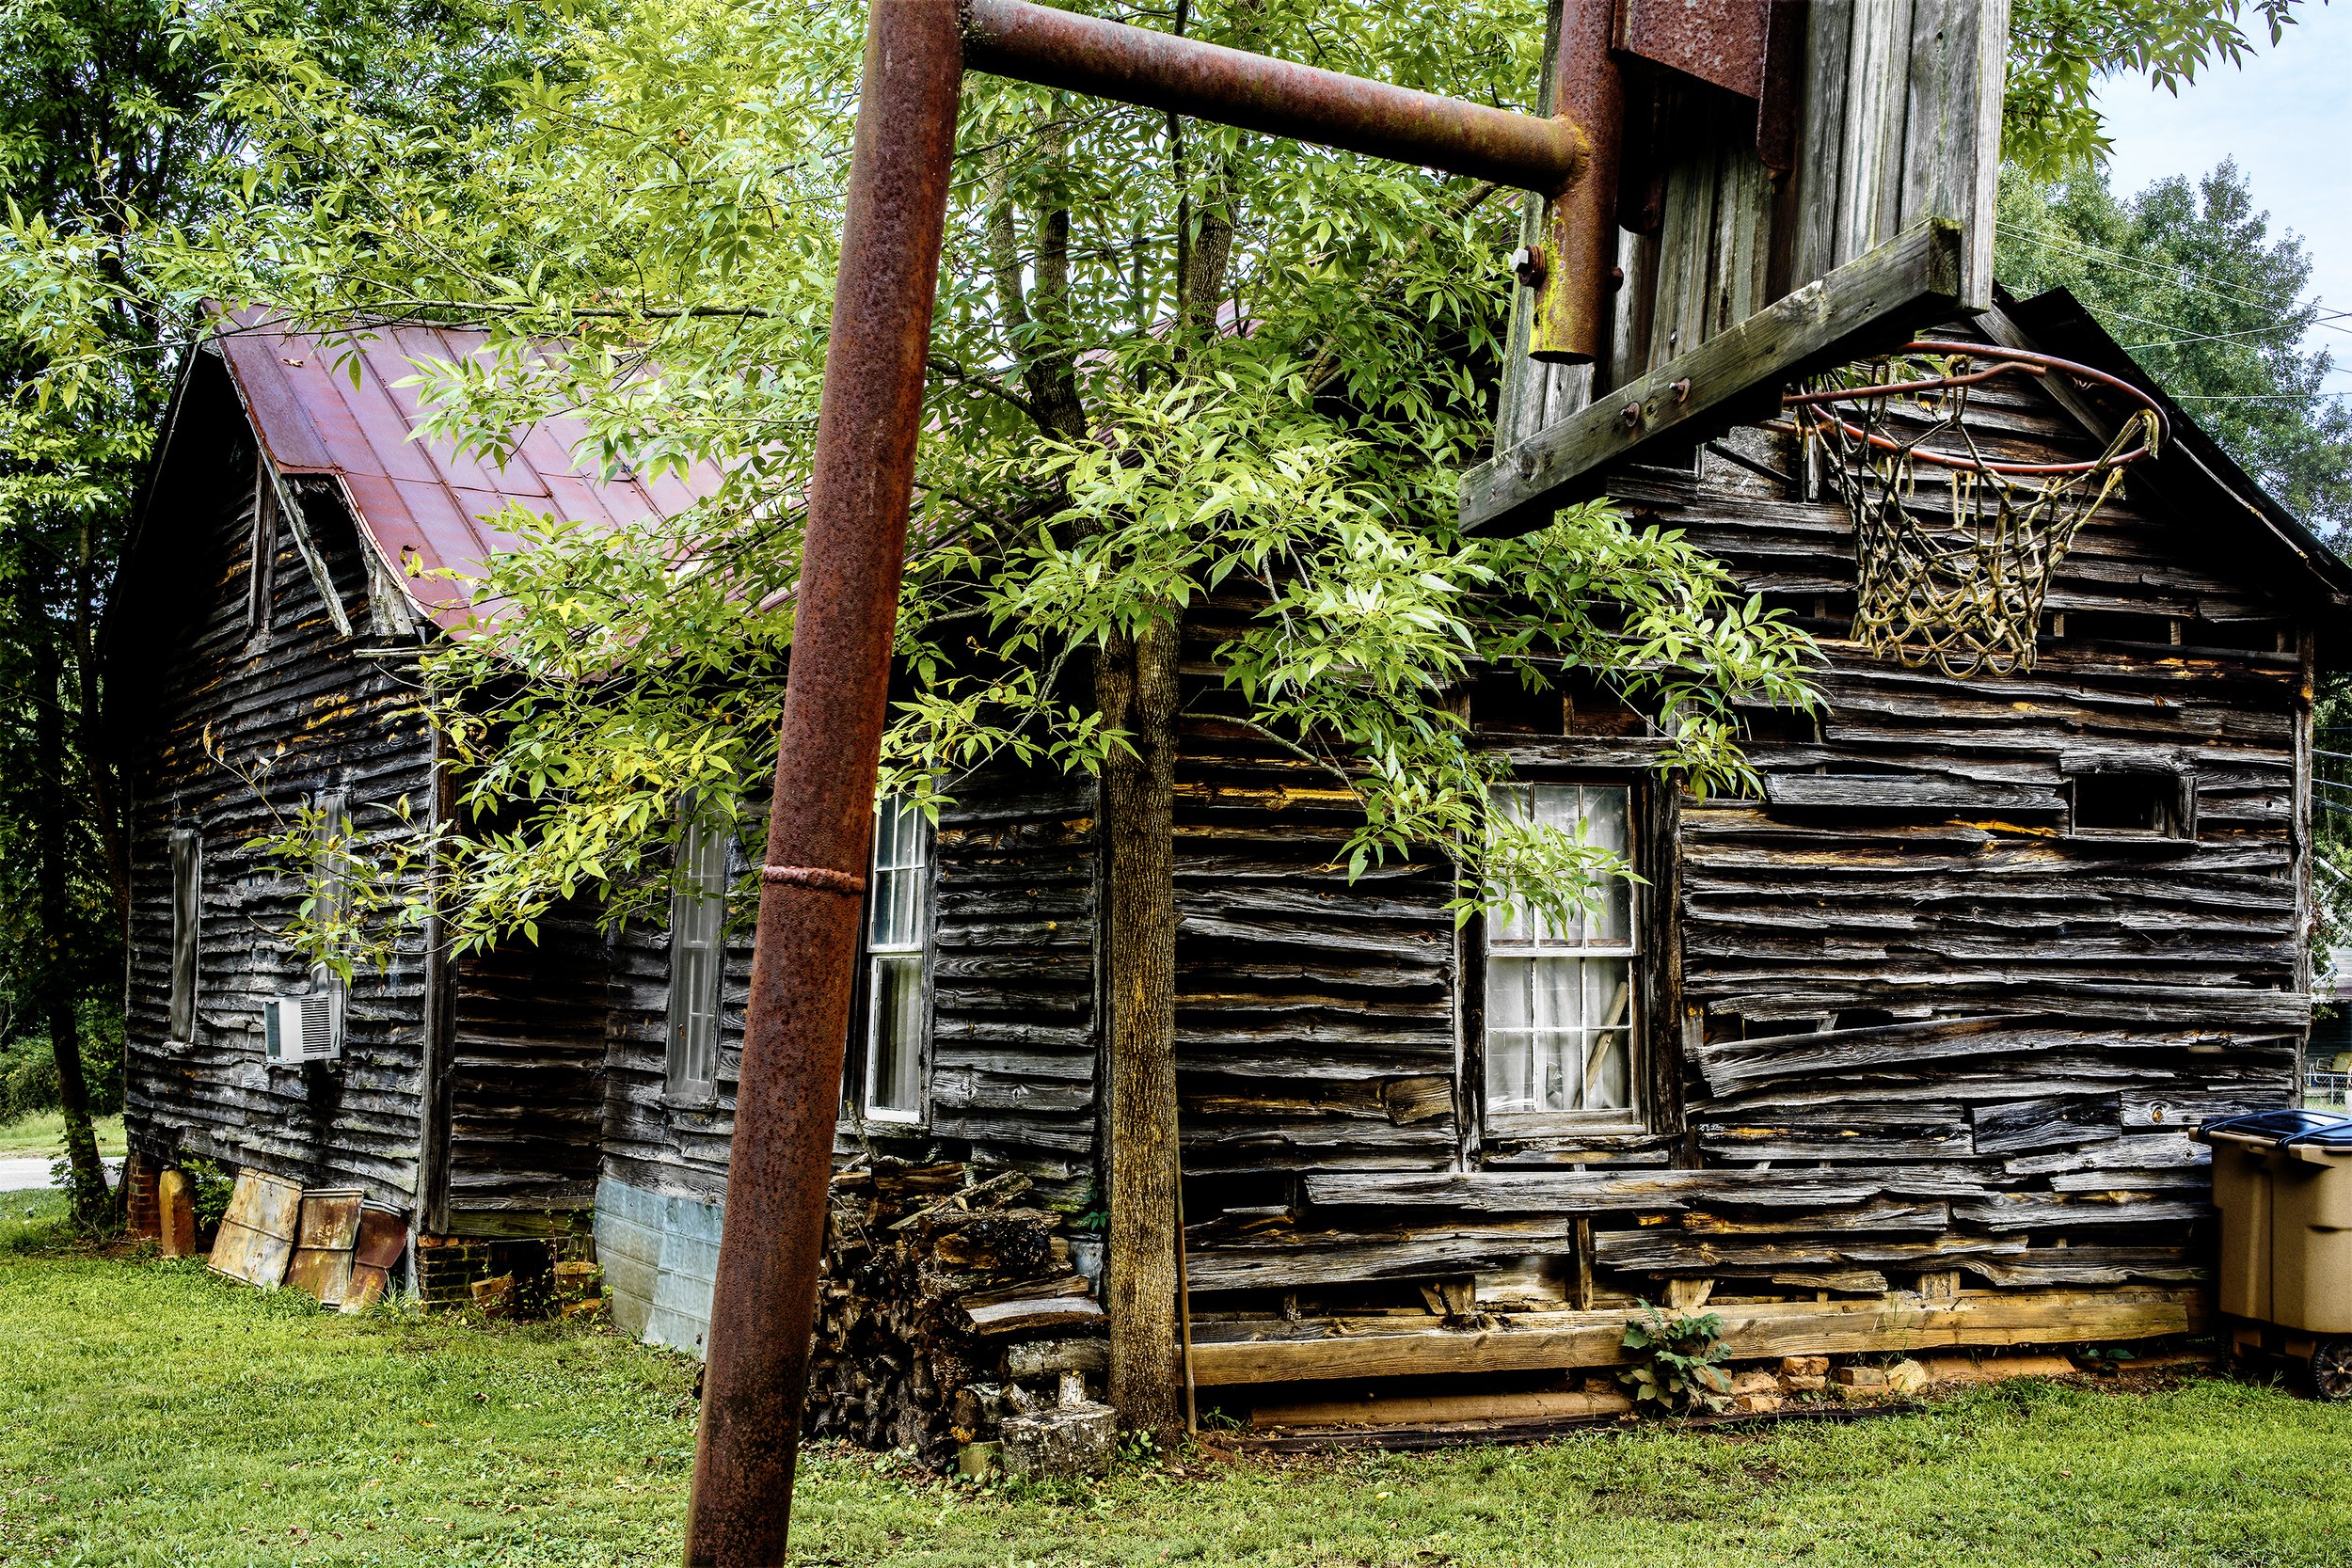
[{"x": 935, "y": 1281}]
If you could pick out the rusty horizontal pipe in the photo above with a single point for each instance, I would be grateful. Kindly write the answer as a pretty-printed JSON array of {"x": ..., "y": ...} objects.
[
  {"x": 821, "y": 816},
  {"x": 1161, "y": 71}
]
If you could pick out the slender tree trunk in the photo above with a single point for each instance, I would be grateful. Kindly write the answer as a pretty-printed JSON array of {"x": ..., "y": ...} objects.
[
  {"x": 90, "y": 738},
  {"x": 54, "y": 984},
  {"x": 1136, "y": 686}
]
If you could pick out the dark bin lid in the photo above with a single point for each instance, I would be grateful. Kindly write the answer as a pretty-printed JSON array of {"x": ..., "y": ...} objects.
[{"x": 2322, "y": 1128}]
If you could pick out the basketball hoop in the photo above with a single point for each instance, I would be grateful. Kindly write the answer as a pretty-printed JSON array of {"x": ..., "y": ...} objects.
[{"x": 1955, "y": 576}]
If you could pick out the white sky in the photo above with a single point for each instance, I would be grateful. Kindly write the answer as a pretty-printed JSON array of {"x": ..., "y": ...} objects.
[{"x": 2286, "y": 116}]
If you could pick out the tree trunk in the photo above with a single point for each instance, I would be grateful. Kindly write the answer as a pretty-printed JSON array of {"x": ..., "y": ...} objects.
[
  {"x": 1136, "y": 689},
  {"x": 54, "y": 987}
]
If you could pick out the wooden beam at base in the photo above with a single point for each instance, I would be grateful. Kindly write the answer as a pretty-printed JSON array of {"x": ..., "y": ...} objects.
[
  {"x": 1873, "y": 302},
  {"x": 1225, "y": 1353}
]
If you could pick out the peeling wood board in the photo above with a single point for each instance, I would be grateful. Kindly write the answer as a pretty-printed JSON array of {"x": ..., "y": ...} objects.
[{"x": 1223, "y": 1354}]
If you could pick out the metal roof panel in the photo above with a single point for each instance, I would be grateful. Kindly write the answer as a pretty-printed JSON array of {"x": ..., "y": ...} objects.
[{"x": 416, "y": 497}]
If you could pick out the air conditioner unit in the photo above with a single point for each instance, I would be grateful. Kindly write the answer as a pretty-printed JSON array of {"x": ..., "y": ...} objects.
[{"x": 303, "y": 1028}]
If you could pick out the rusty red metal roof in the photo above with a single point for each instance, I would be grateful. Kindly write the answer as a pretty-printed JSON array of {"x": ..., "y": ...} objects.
[{"x": 416, "y": 498}]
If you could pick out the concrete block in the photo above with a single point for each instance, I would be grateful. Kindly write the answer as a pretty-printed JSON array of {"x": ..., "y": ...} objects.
[
  {"x": 1799, "y": 1385},
  {"x": 1753, "y": 1382},
  {"x": 1061, "y": 1443},
  {"x": 1861, "y": 1377},
  {"x": 1757, "y": 1404},
  {"x": 1805, "y": 1366}
]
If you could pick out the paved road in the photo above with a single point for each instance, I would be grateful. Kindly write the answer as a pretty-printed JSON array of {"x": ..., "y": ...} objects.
[{"x": 17, "y": 1173}]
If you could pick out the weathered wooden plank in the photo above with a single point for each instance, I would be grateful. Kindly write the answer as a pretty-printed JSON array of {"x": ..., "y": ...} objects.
[
  {"x": 1537, "y": 1192},
  {"x": 1913, "y": 278},
  {"x": 1243, "y": 1352}
]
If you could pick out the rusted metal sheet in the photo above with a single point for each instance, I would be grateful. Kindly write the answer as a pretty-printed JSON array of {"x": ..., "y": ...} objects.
[
  {"x": 1753, "y": 48},
  {"x": 1161, "y": 71},
  {"x": 257, "y": 1234},
  {"x": 328, "y": 1229},
  {"x": 821, "y": 816},
  {"x": 1716, "y": 41},
  {"x": 383, "y": 1237},
  {"x": 417, "y": 497}
]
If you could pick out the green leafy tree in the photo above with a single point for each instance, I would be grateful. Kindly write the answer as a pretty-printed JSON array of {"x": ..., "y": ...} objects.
[
  {"x": 2062, "y": 51},
  {"x": 2188, "y": 277},
  {"x": 111, "y": 134}
]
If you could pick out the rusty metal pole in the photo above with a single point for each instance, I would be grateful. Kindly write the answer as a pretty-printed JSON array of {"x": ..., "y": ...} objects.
[
  {"x": 1572, "y": 300},
  {"x": 822, "y": 821}
]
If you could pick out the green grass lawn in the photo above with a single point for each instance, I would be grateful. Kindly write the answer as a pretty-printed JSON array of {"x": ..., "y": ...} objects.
[
  {"x": 152, "y": 1414},
  {"x": 43, "y": 1133}
]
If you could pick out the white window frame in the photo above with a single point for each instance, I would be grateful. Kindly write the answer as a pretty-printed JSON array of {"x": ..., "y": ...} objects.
[
  {"x": 329, "y": 885},
  {"x": 187, "y": 930},
  {"x": 1514, "y": 937},
  {"x": 903, "y": 844},
  {"x": 698, "y": 959}
]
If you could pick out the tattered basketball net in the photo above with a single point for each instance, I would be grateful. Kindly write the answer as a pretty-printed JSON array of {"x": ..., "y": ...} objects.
[{"x": 1955, "y": 574}]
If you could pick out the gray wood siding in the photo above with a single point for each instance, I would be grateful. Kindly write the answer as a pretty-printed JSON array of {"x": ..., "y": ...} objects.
[
  {"x": 1013, "y": 1017},
  {"x": 1914, "y": 1023}
]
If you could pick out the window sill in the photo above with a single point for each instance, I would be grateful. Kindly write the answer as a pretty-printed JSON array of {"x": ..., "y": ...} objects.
[
  {"x": 1553, "y": 1124},
  {"x": 886, "y": 1127},
  {"x": 695, "y": 1104}
]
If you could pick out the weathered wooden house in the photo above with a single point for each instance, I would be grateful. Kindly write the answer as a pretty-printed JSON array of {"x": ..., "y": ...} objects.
[
  {"x": 1900, "y": 1054},
  {"x": 261, "y": 651}
]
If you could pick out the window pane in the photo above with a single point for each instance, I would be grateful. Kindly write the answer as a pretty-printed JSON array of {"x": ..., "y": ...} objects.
[
  {"x": 1605, "y": 811},
  {"x": 1534, "y": 1046},
  {"x": 896, "y": 892},
  {"x": 895, "y": 1057},
  {"x": 186, "y": 893},
  {"x": 1559, "y": 1034},
  {"x": 1608, "y": 1068}
]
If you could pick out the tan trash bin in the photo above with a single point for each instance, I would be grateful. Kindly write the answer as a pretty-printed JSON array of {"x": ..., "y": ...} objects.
[{"x": 2282, "y": 1181}]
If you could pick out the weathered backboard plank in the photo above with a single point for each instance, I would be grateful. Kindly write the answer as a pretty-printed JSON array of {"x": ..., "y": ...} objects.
[
  {"x": 1914, "y": 277},
  {"x": 1898, "y": 122}
]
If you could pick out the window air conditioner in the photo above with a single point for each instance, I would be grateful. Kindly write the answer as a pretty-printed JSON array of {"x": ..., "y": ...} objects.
[{"x": 303, "y": 1028}]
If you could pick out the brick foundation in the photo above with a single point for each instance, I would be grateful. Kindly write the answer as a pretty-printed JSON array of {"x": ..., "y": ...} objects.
[
  {"x": 448, "y": 1266},
  {"x": 143, "y": 1211}
]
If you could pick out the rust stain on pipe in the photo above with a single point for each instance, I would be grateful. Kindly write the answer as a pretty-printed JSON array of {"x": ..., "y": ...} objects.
[
  {"x": 822, "y": 821},
  {"x": 1160, "y": 70}
]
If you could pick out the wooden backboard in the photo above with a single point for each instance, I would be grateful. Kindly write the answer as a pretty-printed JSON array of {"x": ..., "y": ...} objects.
[{"x": 1737, "y": 278}]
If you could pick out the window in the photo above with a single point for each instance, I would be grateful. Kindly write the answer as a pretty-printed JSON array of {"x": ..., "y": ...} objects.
[
  {"x": 1559, "y": 1005},
  {"x": 329, "y": 884},
  {"x": 2143, "y": 802},
  {"x": 698, "y": 910},
  {"x": 898, "y": 933},
  {"x": 187, "y": 878},
  {"x": 264, "y": 549}
]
